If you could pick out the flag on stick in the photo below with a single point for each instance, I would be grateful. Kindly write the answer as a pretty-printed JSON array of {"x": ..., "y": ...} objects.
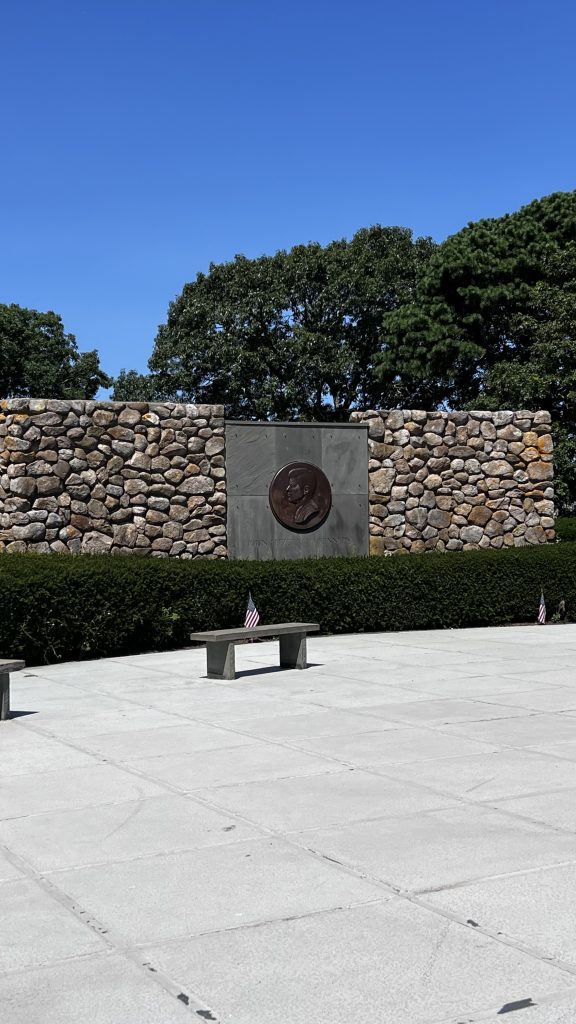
[
  {"x": 542, "y": 611},
  {"x": 252, "y": 614}
]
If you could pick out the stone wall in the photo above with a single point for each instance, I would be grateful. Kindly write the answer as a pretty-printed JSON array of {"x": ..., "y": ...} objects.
[
  {"x": 460, "y": 480},
  {"x": 112, "y": 477},
  {"x": 133, "y": 478}
]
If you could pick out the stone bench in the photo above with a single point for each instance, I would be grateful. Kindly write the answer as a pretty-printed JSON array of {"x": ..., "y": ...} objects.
[
  {"x": 220, "y": 645},
  {"x": 6, "y": 667}
]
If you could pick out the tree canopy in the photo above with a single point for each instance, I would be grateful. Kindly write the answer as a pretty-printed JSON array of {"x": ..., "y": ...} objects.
[
  {"x": 486, "y": 298},
  {"x": 289, "y": 336},
  {"x": 493, "y": 323},
  {"x": 486, "y": 319},
  {"x": 38, "y": 358}
]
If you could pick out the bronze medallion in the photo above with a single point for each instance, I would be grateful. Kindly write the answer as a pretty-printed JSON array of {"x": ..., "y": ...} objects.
[{"x": 300, "y": 496}]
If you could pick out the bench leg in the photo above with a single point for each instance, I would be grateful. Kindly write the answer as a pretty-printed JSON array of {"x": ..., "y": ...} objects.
[
  {"x": 4, "y": 696},
  {"x": 220, "y": 660},
  {"x": 293, "y": 650}
]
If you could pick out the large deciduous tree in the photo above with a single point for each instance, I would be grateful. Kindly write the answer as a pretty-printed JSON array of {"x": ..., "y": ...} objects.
[
  {"x": 493, "y": 323},
  {"x": 131, "y": 386},
  {"x": 290, "y": 336},
  {"x": 39, "y": 359}
]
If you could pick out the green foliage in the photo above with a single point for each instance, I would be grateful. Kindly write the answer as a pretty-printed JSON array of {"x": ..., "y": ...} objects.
[
  {"x": 59, "y": 607},
  {"x": 290, "y": 336},
  {"x": 486, "y": 296},
  {"x": 493, "y": 324},
  {"x": 566, "y": 529},
  {"x": 131, "y": 386},
  {"x": 38, "y": 359}
]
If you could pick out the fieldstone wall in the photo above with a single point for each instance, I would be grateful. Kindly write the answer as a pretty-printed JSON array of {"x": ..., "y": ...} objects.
[
  {"x": 112, "y": 477},
  {"x": 134, "y": 478},
  {"x": 459, "y": 480}
]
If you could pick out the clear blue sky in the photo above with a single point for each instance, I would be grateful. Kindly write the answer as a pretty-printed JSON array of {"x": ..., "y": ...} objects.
[{"x": 143, "y": 139}]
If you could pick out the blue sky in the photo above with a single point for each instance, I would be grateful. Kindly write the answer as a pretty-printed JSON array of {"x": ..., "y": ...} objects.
[{"x": 143, "y": 139}]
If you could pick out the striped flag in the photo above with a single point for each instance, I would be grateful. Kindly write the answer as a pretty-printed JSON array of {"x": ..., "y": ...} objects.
[
  {"x": 252, "y": 614},
  {"x": 542, "y": 611}
]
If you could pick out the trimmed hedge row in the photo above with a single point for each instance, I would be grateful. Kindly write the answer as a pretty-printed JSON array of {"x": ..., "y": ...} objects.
[
  {"x": 566, "y": 528},
  {"x": 62, "y": 607}
]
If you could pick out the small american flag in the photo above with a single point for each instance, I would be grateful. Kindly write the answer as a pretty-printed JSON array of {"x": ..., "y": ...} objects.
[
  {"x": 252, "y": 614},
  {"x": 542, "y": 611}
]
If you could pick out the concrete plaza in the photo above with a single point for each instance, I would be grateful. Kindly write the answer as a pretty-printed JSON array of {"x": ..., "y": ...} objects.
[{"x": 389, "y": 836}]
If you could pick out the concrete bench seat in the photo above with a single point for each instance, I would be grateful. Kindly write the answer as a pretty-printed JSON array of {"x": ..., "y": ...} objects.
[
  {"x": 6, "y": 667},
  {"x": 220, "y": 645}
]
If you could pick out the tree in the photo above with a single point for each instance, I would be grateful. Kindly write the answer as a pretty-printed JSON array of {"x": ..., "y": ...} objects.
[
  {"x": 290, "y": 336},
  {"x": 38, "y": 359},
  {"x": 131, "y": 386},
  {"x": 493, "y": 323}
]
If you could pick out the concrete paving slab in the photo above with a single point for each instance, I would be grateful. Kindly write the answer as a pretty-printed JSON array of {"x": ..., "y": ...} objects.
[
  {"x": 317, "y": 722},
  {"x": 392, "y": 963},
  {"x": 8, "y": 872},
  {"x": 392, "y": 747},
  {"x": 47, "y": 688},
  {"x": 68, "y": 788},
  {"x": 75, "y": 703},
  {"x": 316, "y": 801},
  {"x": 555, "y": 1010},
  {"x": 151, "y": 742},
  {"x": 153, "y": 681},
  {"x": 564, "y": 749},
  {"x": 442, "y": 711},
  {"x": 233, "y": 765},
  {"x": 556, "y": 698},
  {"x": 289, "y": 831},
  {"x": 533, "y": 664},
  {"x": 549, "y": 674},
  {"x": 378, "y": 671},
  {"x": 222, "y": 887},
  {"x": 489, "y": 682},
  {"x": 537, "y": 729},
  {"x": 26, "y": 752},
  {"x": 442, "y": 847},
  {"x": 126, "y": 718},
  {"x": 87, "y": 674},
  {"x": 491, "y": 776},
  {"x": 223, "y": 708},
  {"x": 357, "y": 696},
  {"x": 107, "y": 990},
  {"x": 112, "y": 832},
  {"x": 36, "y": 929},
  {"x": 556, "y": 809},
  {"x": 533, "y": 907}
]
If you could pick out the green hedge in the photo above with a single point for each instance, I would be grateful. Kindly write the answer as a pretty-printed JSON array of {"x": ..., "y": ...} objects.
[
  {"x": 62, "y": 607},
  {"x": 566, "y": 528}
]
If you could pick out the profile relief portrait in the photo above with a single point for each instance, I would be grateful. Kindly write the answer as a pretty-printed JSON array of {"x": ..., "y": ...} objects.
[
  {"x": 300, "y": 492},
  {"x": 300, "y": 496}
]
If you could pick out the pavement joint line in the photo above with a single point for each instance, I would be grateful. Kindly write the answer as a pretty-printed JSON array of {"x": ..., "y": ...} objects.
[
  {"x": 481, "y": 879},
  {"x": 137, "y": 858},
  {"x": 183, "y": 719},
  {"x": 176, "y": 674},
  {"x": 107, "y": 935},
  {"x": 151, "y": 796},
  {"x": 60, "y": 961},
  {"x": 391, "y": 892},
  {"x": 350, "y": 869},
  {"x": 417, "y": 898},
  {"x": 179, "y": 940},
  {"x": 370, "y": 770},
  {"x": 554, "y": 756},
  {"x": 567, "y": 966}
]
